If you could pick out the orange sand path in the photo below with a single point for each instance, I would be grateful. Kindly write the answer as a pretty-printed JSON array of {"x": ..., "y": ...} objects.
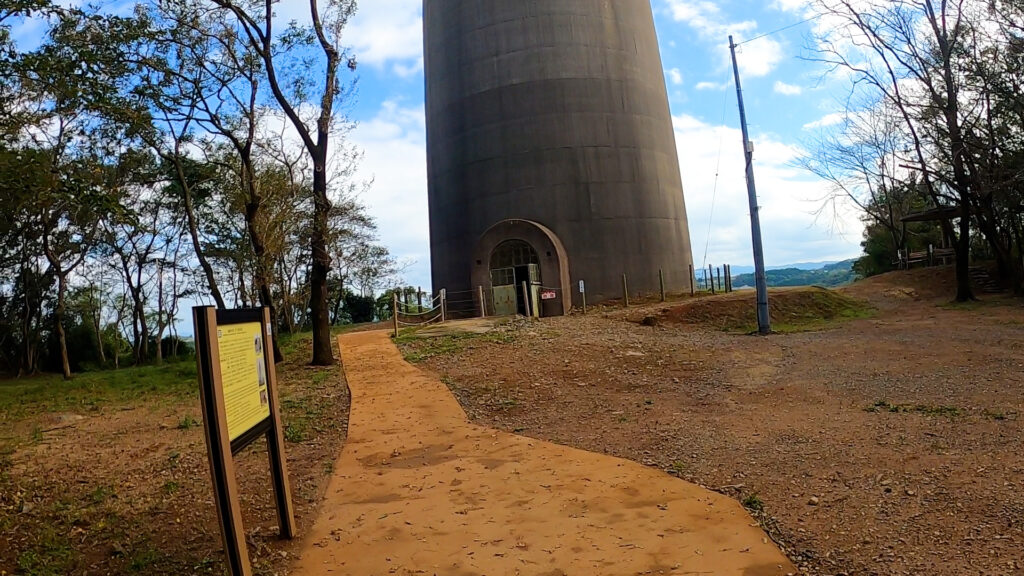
[{"x": 418, "y": 489}]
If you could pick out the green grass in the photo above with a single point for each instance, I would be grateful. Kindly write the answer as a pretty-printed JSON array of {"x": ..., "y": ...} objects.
[
  {"x": 754, "y": 503},
  {"x": 142, "y": 560},
  {"x": 924, "y": 409},
  {"x": 292, "y": 344},
  {"x": 823, "y": 310},
  {"x": 91, "y": 390},
  {"x": 187, "y": 422},
  {"x": 295, "y": 432},
  {"x": 50, "y": 555},
  {"x": 417, "y": 349},
  {"x": 798, "y": 310}
]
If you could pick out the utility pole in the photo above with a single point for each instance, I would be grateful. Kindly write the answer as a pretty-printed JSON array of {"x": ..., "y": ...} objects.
[{"x": 764, "y": 322}]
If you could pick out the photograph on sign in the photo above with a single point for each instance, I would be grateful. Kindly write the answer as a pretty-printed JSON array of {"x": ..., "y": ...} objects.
[{"x": 244, "y": 374}]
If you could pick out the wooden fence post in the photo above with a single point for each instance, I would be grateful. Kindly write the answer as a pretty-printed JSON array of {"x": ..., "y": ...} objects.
[
  {"x": 625, "y": 292},
  {"x": 693, "y": 281},
  {"x": 394, "y": 309},
  {"x": 483, "y": 303},
  {"x": 444, "y": 304},
  {"x": 661, "y": 279}
]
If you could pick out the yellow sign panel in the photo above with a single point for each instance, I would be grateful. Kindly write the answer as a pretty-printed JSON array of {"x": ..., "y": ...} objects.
[{"x": 243, "y": 372}]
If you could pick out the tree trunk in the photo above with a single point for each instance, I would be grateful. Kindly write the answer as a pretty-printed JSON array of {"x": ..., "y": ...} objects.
[
  {"x": 259, "y": 248},
  {"x": 286, "y": 299},
  {"x": 62, "y": 288},
  {"x": 322, "y": 353},
  {"x": 1010, "y": 269},
  {"x": 159, "y": 343},
  {"x": 963, "y": 259},
  {"x": 31, "y": 316},
  {"x": 96, "y": 318},
  {"x": 197, "y": 247}
]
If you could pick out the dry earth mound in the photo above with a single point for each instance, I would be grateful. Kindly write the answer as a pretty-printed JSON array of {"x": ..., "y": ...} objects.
[
  {"x": 795, "y": 309},
  {"x": 902, "y": 285}
]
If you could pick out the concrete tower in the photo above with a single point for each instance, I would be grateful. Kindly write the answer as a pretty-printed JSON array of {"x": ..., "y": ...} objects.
[{"x": 551, "y": 153}]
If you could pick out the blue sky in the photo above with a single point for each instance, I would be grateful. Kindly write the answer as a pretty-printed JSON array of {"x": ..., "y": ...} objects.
[{"x": 788, "y": 98}]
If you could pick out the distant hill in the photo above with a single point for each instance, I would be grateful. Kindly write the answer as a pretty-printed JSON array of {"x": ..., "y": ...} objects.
[
  {"x": 829, "y": 275},
  {"x": 736, "y": 270}
]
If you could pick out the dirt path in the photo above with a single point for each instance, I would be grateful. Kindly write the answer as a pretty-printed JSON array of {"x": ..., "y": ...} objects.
[
  {"x": 420, "y": 490},
  {"x": 888, "y": 445}
]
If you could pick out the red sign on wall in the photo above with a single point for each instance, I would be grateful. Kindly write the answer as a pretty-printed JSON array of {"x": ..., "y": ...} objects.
[{"x": 548, "y": 295}]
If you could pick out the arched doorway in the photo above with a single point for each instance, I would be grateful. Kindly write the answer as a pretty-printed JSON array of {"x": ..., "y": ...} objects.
[
  {"x": 512, "y": 244},
  {"x": 513, "y": 265}
]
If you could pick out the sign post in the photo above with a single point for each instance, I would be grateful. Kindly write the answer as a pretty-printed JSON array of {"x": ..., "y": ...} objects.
[
  {"x": 238, "y": 391},
  {"x": 583, "y": 294}
]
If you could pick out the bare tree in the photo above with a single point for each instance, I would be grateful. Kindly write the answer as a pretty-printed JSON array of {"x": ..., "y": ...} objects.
[
  {"x": 862, "y": 158},
  {"x": 905, "y": 52},
  {"x": 256, "y": 21}
]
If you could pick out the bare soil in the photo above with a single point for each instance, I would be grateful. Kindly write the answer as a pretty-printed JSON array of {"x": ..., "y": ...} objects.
[
  {"x": 122, "y": 488},
  {"x": 887, "y": 444}
]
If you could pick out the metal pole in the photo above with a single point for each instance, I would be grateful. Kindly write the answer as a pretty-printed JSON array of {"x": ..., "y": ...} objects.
[
  {"x": 625, "y": 292},
  {"x": 661, "y": 278},
  {"x": 583, "y": 294},
  {"x": 444, "y": 304},
  {"x": 764, "y": 323},
  {"x": 483, "y": 303}
]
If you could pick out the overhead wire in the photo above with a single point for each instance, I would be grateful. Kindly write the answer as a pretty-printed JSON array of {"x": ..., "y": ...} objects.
[
  {"x": 718, "y": 166},
  {"x": 777, "y": 30},
  {"x": 725, "y": 102}
]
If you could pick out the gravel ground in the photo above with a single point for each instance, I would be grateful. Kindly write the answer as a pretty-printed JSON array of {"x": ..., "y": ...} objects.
[{"x": 886, "y": 445}]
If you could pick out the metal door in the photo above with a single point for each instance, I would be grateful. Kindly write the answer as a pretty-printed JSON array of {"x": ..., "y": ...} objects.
[{"x": 504, "y": 291}]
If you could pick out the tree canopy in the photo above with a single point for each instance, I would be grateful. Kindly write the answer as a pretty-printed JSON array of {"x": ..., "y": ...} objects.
[{"x": 190, "y": 151}]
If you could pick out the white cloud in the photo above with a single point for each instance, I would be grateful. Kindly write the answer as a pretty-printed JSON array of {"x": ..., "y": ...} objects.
[
  {"x": 382, "y": 33},
  {"x": 787, "y": 89},
  {"x": 395, "y": 158},
  {"x": 789, "y": 200},
  {"x": 827, "y": 120},
  {"x": 711, "y": 86},
  {"x": 760, "y": 56},
  {"x": 675, "y": 76},
  {"x": 791, "y": 5},
  {"x": 386, "y": 31}
]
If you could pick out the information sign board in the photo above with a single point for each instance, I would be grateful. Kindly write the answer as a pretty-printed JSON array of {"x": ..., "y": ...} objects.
[
  {"x": 243, "y": 372},
  {"x": 238, "y": 391}
]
